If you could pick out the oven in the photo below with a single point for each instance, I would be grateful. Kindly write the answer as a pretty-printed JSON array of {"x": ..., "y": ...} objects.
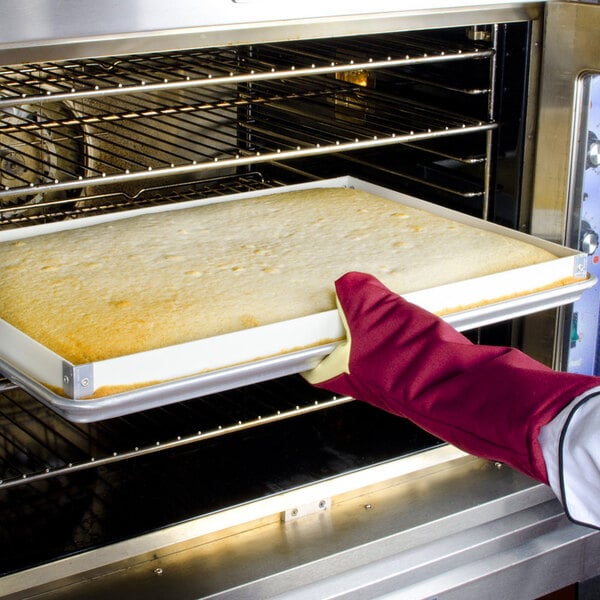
[{"x": 268, "y": 487}]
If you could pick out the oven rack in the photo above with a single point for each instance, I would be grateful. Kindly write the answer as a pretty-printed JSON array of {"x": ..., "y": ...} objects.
[
  {"x": 37, "y": 444},
  {"x": 153, "y": 196},
  {"x": 98, "y": 77},
  {"x": 153, "y": 142}
]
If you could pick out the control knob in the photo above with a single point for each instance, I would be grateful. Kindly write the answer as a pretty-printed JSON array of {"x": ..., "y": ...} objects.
[{"x": 588, "y": 238}]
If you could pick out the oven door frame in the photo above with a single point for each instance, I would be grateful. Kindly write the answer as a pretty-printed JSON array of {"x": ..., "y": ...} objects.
[{"x": 569, "y": 51}]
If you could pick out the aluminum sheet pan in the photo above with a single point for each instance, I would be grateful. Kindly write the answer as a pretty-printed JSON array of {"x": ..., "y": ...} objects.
[{"x": 252, "y": 355}]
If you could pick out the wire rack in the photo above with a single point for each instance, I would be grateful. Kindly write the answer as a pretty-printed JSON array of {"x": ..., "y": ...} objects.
[
  {"x": 50, "y": 81},
  {"x": 37, "y": 444},
  {"x": 65, "y": 126}
]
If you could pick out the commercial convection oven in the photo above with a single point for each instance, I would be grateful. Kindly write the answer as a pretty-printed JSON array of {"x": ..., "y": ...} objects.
[{"x": 258, "y": 485}]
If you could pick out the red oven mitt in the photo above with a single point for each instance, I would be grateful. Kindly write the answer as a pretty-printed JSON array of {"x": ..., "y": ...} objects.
[{"x": 489, "y": 401}]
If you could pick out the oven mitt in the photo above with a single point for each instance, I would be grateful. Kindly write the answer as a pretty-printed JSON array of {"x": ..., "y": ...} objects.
[{"x": 489, "y": 401}]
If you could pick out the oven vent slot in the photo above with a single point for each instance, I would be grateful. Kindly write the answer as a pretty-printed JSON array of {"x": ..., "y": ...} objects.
[{"x": 37, "y": 444}]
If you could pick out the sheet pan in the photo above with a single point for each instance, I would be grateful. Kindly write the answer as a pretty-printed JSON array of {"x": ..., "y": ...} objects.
[{"x": 252, "y": 355}]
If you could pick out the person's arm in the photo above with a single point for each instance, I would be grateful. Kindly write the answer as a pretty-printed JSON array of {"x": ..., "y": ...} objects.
[{"x": 493, "y": 402}]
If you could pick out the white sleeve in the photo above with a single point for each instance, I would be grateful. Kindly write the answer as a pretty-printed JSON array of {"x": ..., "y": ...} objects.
[{"x": 571, "y": 447}]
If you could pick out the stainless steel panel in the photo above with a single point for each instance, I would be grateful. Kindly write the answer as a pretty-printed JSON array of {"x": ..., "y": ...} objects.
[
  {"x": 47, "y": 30},
  {"x": 570, "y": 48},
  {"x": 463, "y": 529}
]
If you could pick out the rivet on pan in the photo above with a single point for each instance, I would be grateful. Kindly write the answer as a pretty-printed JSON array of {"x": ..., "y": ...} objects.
[{"x": 85, "y": 382}]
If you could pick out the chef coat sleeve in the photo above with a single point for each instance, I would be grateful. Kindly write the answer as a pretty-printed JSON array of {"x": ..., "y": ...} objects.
[{"x": 571, "y": 448}]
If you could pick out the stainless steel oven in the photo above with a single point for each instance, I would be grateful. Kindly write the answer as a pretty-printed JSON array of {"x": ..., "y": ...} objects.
[{"x": 273, "y": 488}]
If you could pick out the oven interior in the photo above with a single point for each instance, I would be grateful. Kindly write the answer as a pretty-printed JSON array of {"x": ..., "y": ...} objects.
[{"x": 437, "y": 114}]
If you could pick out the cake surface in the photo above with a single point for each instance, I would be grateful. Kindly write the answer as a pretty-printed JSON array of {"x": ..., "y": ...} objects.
[{"x": 166, "y": 278}]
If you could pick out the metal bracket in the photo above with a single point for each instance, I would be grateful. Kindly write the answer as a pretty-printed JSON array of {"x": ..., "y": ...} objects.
[
  {"x": 580, "y": 266},
  {"x": 78, "y": 380},
  {"x": 306, "y": 509}
]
